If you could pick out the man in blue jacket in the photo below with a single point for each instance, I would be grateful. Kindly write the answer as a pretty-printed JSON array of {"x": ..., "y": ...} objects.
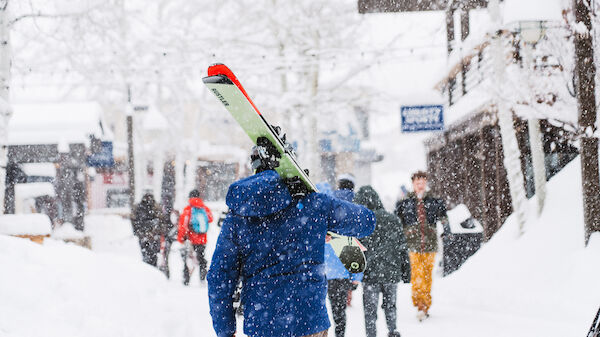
[{"x": 273, "y": 237}]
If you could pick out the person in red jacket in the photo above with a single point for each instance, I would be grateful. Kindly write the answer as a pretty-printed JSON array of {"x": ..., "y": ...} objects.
[{"x": 195, "y": 231}]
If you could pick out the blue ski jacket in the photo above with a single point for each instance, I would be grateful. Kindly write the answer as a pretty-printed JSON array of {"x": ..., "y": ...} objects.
[{"x": 275, "y": 244}]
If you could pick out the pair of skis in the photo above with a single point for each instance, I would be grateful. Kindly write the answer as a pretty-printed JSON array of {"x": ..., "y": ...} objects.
[{"x": 225, "y": 86}]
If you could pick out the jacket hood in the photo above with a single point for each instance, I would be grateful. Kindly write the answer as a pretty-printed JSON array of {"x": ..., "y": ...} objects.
[
  {"x": 259, "y": 195},
  {"x": 196, "y": 202},
  {"x": 367, "y": 197}
]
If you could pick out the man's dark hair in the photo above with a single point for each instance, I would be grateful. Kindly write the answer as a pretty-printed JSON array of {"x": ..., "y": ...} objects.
[
  {"x": 194, "y": 194},
  {"x": 419, "y": 175},
  {"x": 345, "y": 184}
]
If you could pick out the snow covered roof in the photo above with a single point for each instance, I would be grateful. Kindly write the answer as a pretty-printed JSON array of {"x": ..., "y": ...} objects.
[
  {"x": 33, "y": 190},
  {"x": 53, "y": 123},
  {"x": 468, "y": 105},
  {"x": 154, "y": 120},
  {"x": 39, "y": 169},
  {"x": 531, "y": 10}
]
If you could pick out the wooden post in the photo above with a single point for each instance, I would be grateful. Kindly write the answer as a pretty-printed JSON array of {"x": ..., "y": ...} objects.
[
  {"x": 5, "y": 112},
  {"x": 585, "y": 85},
  {"x": 130, "y": 160},
  {"x": 464, "y": 33},
  {"x": 450, "y": 29}
]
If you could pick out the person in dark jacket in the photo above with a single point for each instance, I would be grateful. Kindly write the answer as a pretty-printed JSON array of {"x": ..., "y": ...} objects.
[
  {"x": 147, "y": 226},
  {"x": 274, "y": 238},
  {"x": 420, "y": 212},
  {"x": 340, "y": 282},
  {"x": 169, "y": 236},
  {"x": 387, "y": 263},
  {"x": 345, "y": 186}
]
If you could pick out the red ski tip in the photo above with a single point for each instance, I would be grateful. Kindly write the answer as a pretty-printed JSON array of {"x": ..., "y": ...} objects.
[{"x": 221, "y": 69}]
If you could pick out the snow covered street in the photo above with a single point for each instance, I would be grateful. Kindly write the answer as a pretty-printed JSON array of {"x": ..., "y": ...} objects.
[
  {"x": 126, "y": 124},
  {"x": 538, "y": 285}
]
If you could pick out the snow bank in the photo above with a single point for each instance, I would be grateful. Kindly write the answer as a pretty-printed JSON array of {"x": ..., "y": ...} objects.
[
  {"x": 25, "y": 224},
  {"x": 112, "y": 234},
  {"x": 544, "y": 283},
  {"x": 58, "y": 289},
  {"x": 67, "y": 231}
]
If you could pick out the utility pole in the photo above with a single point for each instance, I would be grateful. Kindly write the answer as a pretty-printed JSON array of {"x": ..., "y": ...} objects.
[
  {"x": 585, "y": 86},
  {"x": 129, "y": 107},
  {"x": 130, "y": 159},
  {"x": 5, "y": 110}
]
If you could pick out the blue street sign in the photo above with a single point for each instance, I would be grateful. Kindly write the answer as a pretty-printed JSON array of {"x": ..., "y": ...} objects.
[
  {"x": 103, "y": 158},
  {"x": 422, "y": 118}
]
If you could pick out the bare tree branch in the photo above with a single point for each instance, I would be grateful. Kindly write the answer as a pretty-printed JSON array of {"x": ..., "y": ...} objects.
[{"x": 51, "y": 16}]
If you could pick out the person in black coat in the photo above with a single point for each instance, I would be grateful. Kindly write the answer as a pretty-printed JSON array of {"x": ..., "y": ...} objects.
[
  {"x": 420, "y": 212},
  {"x": 387, "y": 262},
  {"x": 147, "y": 226}
]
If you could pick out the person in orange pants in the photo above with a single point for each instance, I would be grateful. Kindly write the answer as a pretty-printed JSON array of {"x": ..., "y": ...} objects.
[
  {"x": 420, "y": 279},
  {"x": 419, "y": 211}
]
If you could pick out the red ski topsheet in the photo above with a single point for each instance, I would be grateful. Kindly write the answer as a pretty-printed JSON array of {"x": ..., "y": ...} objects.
[{"x": 221, "y": 69}]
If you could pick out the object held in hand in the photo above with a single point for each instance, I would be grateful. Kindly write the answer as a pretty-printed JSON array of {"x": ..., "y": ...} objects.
[
  {"x": 264, "y": 155},
  {"x": 296, "y": 187}
]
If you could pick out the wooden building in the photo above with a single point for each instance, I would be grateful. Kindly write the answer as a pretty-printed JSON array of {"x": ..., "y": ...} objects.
[
  {"x": 466, "y": 165},
  {"x": 466, "y": 162}
]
